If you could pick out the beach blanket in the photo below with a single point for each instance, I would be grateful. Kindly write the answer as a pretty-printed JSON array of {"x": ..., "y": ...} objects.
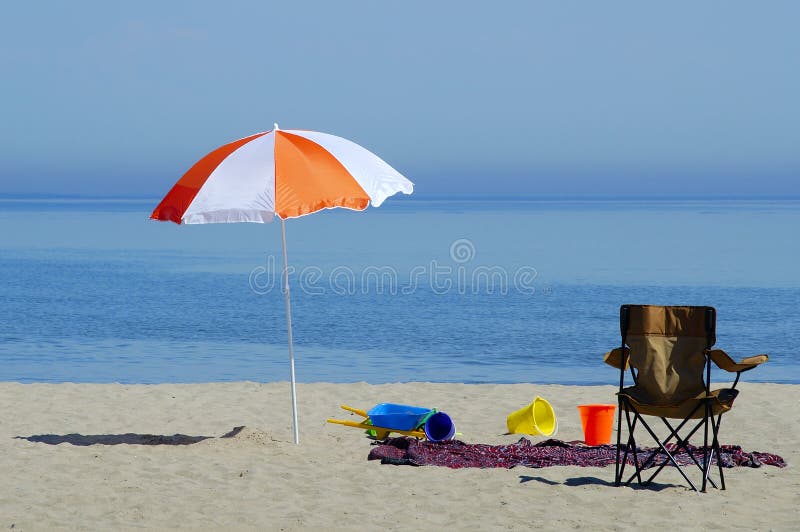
[{"x": 457, "y": 454}]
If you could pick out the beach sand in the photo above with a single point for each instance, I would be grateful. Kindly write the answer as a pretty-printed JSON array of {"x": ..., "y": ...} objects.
[{"x": 67, "y": 460}]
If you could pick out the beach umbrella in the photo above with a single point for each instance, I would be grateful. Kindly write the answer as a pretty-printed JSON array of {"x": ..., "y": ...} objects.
[{"x": 284, "y": 174}]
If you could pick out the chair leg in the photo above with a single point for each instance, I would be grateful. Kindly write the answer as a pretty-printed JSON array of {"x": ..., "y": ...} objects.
[
  {"x": 669, "y": 455},
  {"x": 715, "y": 444},
  {"x": 651, "y": 458},
  {"x": 632, "y": 445},
  {"x": 617, "y": 470},
  {"x": 706, "y": 456},
  {"x": 682, "y": 443},
  {"x": 673, "y": 433},
  {"x": 711, "y": 449}
]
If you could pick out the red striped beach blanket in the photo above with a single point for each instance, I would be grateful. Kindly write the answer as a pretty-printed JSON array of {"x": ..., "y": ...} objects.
[{"x": 457, "y": 454}]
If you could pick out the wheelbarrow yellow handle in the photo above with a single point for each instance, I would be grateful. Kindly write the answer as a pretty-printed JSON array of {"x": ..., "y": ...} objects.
[
  {"x": 358, "y": 411},
  {"x": 381, "y": 432},
  {"x": 350, "y": 423}
]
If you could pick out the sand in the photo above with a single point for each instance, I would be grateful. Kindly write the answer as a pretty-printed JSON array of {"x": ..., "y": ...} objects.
[{"x": 69, "y": 458}]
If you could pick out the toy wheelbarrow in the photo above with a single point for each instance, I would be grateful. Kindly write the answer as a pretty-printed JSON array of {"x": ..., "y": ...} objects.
[{"x": 385, "y": 418}]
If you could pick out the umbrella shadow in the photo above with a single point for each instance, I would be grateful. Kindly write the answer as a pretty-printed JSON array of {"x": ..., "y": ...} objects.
[{"x": 130, "y": 438}]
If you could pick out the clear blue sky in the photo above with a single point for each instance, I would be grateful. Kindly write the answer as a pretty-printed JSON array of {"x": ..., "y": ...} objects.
[{"x": 528, "y": 98}]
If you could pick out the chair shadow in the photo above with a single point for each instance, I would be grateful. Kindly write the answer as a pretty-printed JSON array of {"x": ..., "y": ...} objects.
[
  {"x": 122, "y": 439},
  {"x": 587, "y": 481}
]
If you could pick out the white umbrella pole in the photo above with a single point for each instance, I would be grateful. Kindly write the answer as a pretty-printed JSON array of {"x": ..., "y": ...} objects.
[{"x": 289, "y": 327}]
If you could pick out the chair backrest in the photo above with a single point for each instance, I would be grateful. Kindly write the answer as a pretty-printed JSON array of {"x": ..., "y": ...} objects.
[{"x": 667, "y": 349}]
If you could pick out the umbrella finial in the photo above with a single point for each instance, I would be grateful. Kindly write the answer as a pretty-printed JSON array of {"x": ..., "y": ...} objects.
[{"x": 275, "y": 126}]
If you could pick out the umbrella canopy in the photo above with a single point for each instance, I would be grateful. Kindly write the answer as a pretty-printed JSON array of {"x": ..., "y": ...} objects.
[{"x": 283, "y": 173}]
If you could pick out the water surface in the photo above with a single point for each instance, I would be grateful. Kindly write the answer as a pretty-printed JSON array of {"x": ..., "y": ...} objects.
[{"x": 450, "y": 291}]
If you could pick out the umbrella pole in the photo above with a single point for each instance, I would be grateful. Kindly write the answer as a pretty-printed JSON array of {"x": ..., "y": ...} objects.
[{"x": 289, "y": 328}]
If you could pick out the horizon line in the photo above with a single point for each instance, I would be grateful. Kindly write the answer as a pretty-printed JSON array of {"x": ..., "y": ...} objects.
[{"x": 446, "y": 197}]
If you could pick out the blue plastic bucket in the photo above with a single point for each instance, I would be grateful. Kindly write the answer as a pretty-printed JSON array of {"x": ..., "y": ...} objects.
[{"x": 439, "y": 427}]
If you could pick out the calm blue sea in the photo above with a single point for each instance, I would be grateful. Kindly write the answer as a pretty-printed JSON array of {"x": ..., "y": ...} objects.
[{"x": 417, "y": 290}]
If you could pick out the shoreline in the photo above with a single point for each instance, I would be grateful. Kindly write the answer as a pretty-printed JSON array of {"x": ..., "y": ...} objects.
[{"x": 72, "y": 459}]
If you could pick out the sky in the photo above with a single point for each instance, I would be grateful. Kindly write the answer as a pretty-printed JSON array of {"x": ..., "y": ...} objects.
[{"x": 533, "y": 99}]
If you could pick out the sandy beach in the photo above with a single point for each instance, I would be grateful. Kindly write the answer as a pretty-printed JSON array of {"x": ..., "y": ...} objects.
[{"x": 71, "y": 457}]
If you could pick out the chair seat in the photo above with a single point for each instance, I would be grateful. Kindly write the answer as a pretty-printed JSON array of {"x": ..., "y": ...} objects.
[{"x": 721, "y": 401}]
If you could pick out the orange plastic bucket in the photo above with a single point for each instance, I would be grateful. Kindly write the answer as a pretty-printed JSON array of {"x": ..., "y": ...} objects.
[{"x": 597, "y": 421}]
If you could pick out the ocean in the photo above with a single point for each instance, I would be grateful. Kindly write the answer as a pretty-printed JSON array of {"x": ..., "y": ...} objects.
[{"x": 477, "y": 291}]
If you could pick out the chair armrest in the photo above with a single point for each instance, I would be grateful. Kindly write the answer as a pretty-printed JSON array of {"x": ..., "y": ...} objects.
[
  {"x": 614, "y": 358},
  {"x": 723, "y": 361}
]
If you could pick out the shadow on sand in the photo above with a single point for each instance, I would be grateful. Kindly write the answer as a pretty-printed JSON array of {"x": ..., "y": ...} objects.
[
  {"x": 587, "y": 481},
  {"x": 122, "y": 439}
]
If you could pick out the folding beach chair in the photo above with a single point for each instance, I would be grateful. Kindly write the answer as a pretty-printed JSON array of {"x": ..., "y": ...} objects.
[{"x": 668, "y": 352}]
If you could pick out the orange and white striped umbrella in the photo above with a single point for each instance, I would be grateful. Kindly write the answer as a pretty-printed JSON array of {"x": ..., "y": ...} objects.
[{"x": 284, "y": 173}]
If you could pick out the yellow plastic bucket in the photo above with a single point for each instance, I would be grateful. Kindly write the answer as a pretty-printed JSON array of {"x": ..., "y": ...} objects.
[{"x": 537, "y": 418}]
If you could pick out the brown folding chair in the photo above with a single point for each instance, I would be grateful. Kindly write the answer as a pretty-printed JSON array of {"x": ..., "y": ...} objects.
[{"x": 668, "y": 352}]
